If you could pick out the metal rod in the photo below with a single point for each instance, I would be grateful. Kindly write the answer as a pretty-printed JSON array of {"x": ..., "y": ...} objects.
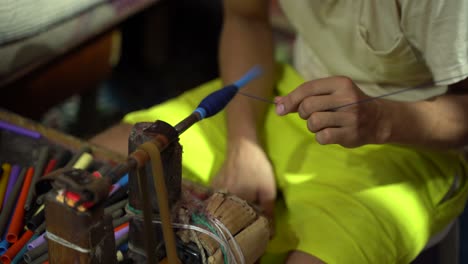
[{"x": 187, "y": 122}]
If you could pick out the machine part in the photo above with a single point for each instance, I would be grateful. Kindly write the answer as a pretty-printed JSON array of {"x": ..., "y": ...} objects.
[
  {"x": 166, "y": 139},
  {"x": 76, "y": 236}
]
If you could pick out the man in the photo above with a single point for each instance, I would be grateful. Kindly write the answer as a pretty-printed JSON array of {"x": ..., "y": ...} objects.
[{"x": 382, "y": 176}]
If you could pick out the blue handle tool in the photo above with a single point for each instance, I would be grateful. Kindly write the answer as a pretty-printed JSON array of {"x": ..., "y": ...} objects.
[{"x": 217, "y": 101}]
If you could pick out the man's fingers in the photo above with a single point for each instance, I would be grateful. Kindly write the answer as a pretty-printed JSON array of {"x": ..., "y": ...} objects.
[
  {"x": 321, "y": 120},
  {"x": 325, "y": 86},
  {"x": 346, "y": 137},
  {"x": 320, "y": 103},
  {"x": 289, "y": 103}
]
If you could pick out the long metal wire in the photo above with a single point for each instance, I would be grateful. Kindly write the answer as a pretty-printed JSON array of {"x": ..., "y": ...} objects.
[{"x": 369, "y": 99}]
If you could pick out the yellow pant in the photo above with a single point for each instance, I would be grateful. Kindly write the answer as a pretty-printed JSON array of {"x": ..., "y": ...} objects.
[{"x": 373, "y": 204}]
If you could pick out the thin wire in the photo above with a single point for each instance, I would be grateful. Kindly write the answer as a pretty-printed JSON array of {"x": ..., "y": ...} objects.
[
  {"x": 219, "y": 231},
  {"x": 425, "y": 85},
  {"x": 237, "y": 248},
  {"x": 256, "y": 97},
  {"x": 198, "y": 229},
  {"x": 199, "y": 219},
  {"x": 222, "y": 243},
  {"x": 429, "y": 84}
]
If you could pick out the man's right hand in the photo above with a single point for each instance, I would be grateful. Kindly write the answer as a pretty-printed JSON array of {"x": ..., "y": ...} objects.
[{"x": 247, "y": 173}]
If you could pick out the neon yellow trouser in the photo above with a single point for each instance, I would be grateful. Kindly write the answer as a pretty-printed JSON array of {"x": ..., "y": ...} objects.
[{"x": 372, "y": 204}]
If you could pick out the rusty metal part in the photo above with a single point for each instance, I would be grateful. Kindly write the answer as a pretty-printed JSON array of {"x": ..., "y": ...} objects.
[
  {"x": 161, "y": 195},
  {"x": 165, "y": 138},
  {"x": 187, "y": 122},
  {"x": 150, "y": 242}
]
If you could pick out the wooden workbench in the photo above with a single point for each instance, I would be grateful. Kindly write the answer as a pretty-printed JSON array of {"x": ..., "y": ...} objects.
[{"x": 56, "y": 137}]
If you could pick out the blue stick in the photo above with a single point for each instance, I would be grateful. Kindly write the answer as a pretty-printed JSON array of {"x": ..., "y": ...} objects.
[
  {"x": 4, "y": 245},
  {"x": 217, "y": 100},
  {"x": 249, "y": 76}
]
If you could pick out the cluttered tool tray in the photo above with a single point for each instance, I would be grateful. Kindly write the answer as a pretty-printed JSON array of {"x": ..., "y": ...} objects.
[
  {"x": 18, "y": 145},
  {"x": 31, "y": 153},
  {"x": 28, "y": 151}
]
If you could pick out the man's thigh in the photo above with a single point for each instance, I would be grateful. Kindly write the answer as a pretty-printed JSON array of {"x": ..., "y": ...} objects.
[{"x": 377, "y": 204}]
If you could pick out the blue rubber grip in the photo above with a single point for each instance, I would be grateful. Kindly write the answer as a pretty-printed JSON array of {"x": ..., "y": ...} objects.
[{"x": 217, "y": 100}]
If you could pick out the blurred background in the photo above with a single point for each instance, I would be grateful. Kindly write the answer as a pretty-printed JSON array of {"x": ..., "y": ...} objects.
[
  {"x": 82, "y": 72},
  {"x": 162, "y": 50}
]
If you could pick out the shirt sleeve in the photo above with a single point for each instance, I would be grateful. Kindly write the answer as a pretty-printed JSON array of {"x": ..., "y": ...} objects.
[{"x": 438, "y": 30}]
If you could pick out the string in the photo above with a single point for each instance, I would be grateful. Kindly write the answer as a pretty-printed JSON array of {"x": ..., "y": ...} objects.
[
  {"x": 369, "y": 99},
  {"x": 66, "y": 243}
]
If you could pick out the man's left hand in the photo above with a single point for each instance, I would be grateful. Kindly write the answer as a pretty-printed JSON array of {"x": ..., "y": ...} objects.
[{"x": 338, "y": 112}]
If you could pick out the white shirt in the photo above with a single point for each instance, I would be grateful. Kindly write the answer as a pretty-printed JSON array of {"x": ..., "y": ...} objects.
[{"x": 383, "y": 45}]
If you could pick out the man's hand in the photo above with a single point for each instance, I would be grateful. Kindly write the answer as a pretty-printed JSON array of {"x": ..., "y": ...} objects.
[
  {"x": 247, "y": 173},
  {"x": 349, "y": 126}
]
